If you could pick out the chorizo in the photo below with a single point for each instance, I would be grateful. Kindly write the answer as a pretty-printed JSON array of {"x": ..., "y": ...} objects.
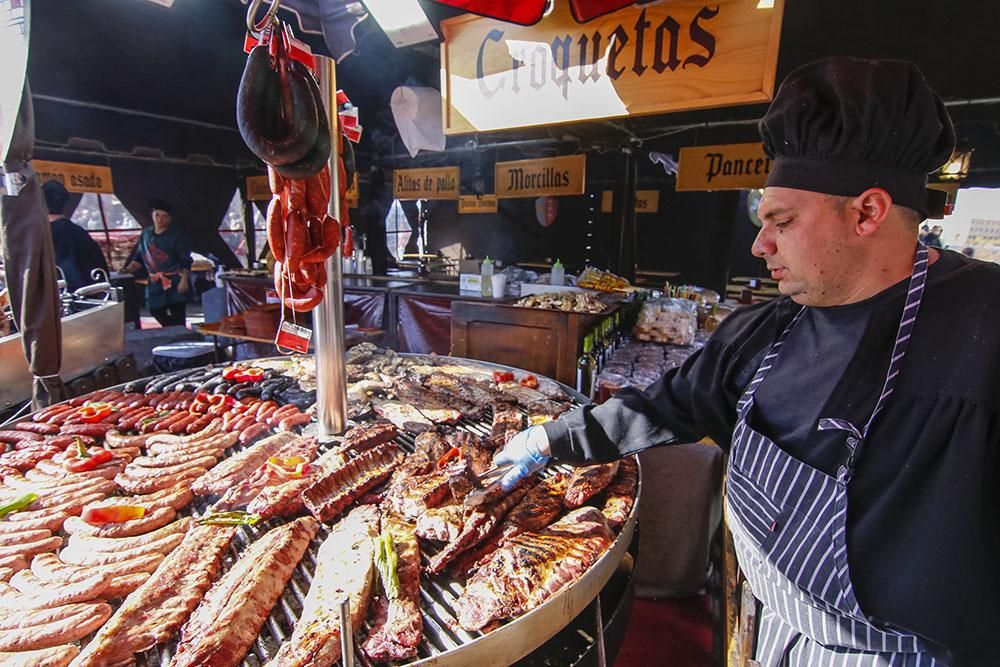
[{"x": 276, "y": 228}]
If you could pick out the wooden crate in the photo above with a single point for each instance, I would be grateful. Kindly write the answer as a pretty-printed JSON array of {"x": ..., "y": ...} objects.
[{"x": 547, "y": 342}]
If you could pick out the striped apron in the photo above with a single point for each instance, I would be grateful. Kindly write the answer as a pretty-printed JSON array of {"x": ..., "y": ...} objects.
[{"x": 789, "y": 527}]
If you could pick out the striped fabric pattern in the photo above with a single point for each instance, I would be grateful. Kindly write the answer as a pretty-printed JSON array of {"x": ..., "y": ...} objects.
[{"x": 789, "y": 526}]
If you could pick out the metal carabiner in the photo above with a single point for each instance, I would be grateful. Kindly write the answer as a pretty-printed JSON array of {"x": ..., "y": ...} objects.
[{"x": 255, "y": 28}]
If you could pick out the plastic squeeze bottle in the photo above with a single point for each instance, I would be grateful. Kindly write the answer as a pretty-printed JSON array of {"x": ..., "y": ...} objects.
[
  {"x": 486, "y": 273},
  {"x": 558, "y": 276}
]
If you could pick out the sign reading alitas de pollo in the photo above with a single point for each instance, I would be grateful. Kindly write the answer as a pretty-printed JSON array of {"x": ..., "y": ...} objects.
[
  {"x": 546, "y": 176},
  {"x": 429, "y": 183},
  {"x": 723, "y": 167},
  {"x": 652, "y": 58},
  {"x": 76, "y": 177}
]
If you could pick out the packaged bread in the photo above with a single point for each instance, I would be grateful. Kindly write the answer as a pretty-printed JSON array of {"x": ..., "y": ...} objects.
[{"x": 673, "y": 321}]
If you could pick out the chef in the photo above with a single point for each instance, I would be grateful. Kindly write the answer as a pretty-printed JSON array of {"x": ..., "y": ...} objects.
[{"x": 860, "y": 410}]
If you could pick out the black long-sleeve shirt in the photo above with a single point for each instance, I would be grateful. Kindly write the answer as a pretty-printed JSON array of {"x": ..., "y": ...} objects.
[{"x": 924, "y": 505}]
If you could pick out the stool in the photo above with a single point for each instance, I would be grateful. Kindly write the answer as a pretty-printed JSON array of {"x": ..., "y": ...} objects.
[{"x": 183, "y": 354}]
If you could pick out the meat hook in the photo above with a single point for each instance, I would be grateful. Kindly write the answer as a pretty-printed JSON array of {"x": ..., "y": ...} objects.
[{"x": 254, "y": 27}]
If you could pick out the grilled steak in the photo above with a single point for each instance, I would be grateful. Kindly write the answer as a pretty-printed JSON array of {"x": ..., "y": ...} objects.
[
  {"x": 539, "y": 507},
  {"x": 330, "y": 495},
  {"x": 344, "y": 568},
  {"x": 398, "y": 625},
  {"x": 228, "y": 620},
  {"x": 442, "y": 524},
  {"x": 505, "y": 420},
  {"x": 367, "y": 436},
  {"x": 620, "y": 494},
  {"x": 245, "y": 490},
  {"x": 453, "y": 399},
  {"x": 404, "y": 416},
  {"x": 218, "y": 480},
  {"x": 479, "y": 457},
  {"x": 478, "y": 392},
  {"x": 587, "y": 481},
  {"x": 532, "y": 567},
  {"x": 286, "y": 499},
  {"x": 479, "y": 524},
  {"x": 432, "y": 444},
  {"x": 411, "y": 496},
  {"x": 534, "y": 401},
  {"x": 154, "y": 612}
]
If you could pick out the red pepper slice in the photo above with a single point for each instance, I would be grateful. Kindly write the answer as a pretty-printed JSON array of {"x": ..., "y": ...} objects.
[
  {"x": 220, "y": 403},
  {"x": 529, "y": 381},
  {"x": 502, "y": 376},
  {"x": 230, "y": 372},
  {"x": 250, "y": 375},
  {"x": 91, "y": 413},
  {"x": 85, "y": 464},
  {"x": 202, "y": 401},
  {"x": 450, "y": 455},
  {"x": 96, "y": 516}
]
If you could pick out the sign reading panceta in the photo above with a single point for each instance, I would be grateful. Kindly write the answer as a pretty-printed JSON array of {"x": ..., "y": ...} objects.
[
  {"x": 651, "y": 58},
  {"x": 723, "y": 167}
]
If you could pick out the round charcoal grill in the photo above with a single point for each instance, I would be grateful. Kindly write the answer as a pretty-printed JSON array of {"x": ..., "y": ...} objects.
[{"x": 445, "y": 643}]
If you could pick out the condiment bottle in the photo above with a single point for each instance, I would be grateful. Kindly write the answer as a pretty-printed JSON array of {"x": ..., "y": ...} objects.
[
  {"x": 486, "y": 273},
  {"x": 558, "y": 276}
]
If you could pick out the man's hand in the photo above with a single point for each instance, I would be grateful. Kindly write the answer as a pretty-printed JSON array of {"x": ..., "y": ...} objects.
[
  {"x": 528, "y": 451},
  {"x": 184, "y": 285}
]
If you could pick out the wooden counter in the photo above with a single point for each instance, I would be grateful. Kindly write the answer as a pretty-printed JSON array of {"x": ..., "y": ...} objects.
[{"x": 547, "y": 342}]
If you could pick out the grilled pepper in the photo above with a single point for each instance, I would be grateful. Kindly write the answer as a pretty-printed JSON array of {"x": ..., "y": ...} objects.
[
  {"x": 503, "y": 376},
  {"x": 91, "y": 413},
  {"x": 235, "y": 518},
  {"x": 250, "y": 375},
  {"x": 387, "y": 564},
  {"x": 529, "y": 381},
  {"x": 293, "y": 467},
  {"x": 19, "y": 504},
  {"x": 96, "y": 516},
  {"x": 449, "y": 456},
  {"x": 91, "y": 461}
]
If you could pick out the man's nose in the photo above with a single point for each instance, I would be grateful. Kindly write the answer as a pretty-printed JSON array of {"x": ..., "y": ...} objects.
[{"x": 764, "y": 243}]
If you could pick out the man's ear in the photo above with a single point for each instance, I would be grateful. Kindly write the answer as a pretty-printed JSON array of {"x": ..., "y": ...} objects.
[{"x": 872, "y": 209}]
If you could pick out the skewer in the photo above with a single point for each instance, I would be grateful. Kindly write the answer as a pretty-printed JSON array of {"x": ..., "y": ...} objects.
[{"x": 346, "y": 634}]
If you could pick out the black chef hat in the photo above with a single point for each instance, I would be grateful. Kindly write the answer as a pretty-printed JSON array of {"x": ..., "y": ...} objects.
[{"x": 842, "y": 125}]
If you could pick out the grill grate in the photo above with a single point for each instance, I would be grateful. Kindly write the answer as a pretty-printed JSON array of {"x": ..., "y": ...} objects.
[{"x": 442, "y": 634}]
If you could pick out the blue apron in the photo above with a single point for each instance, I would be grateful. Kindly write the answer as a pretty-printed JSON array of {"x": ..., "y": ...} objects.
[{"x": 789, "y": 527}]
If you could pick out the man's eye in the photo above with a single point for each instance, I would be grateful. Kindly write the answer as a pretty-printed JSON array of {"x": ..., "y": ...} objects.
[{"x": 782, "y": 224}]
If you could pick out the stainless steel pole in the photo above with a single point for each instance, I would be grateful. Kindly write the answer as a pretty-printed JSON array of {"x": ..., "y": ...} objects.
[{"x": 328, "y": 317}]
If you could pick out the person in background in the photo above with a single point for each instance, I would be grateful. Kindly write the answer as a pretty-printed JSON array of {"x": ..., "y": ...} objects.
[
  {"x": 969, "y": 251},
  {"x": 925, "y": 232},
  {"x": 77, "y": 254},
  {"x": 165, "y": 251}
]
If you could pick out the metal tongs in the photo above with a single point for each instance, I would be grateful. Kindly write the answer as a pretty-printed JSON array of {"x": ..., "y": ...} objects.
[{"x": 491, "y": 478}]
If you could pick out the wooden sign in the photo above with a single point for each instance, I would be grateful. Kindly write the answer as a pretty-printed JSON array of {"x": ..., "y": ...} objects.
[
  {"x": 723, "y": 167},
  {"x": 546, "y": 176},
  {"x": 76, "y": 177},
  {"x": 353, "y": 196},
  {"x": 646, "y": 201},
  {"x": 429, "y": 183},
  {"x": 258, "y": 188},
  {"x": 644, "y": 59},
  {"x": 477, "y": 204}
]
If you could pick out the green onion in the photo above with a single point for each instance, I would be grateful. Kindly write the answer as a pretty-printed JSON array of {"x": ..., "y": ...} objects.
[
  {"x": 19, "y": 504},
  {"x": 236, "y": 518},
  {"x": 387, "y": 563}
]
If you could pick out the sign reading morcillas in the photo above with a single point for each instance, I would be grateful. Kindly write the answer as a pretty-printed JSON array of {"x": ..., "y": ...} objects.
[
  {"x": 723, "y": 167},
  {"x": 546, "y": 176},
  {"x": 646, "y": 201},
  {"x": 643, "y": 59},
  {"x": 477, "y": 204},
  {"x": 258, "y": 188},
  {"x": 427, "y": 183},
  {"x": 76, "y": 177}
]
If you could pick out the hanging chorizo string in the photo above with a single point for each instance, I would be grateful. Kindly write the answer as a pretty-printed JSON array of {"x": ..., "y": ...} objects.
[{"x": 282, "y": 119}]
